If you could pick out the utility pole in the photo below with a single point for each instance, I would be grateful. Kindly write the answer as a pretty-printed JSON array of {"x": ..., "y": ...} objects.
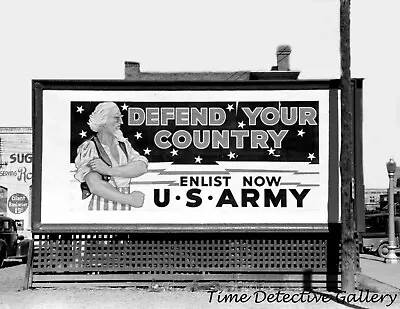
[{"x": 346, "y": 154}]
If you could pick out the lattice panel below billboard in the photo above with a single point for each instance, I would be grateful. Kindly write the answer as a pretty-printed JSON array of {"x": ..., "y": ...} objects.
[{"x": 185, "y": 253}]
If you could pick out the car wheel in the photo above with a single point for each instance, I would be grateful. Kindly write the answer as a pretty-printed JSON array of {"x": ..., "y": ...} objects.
[
  {"x": 3, "y": 255},
  {"x": 383, "y": 250}
]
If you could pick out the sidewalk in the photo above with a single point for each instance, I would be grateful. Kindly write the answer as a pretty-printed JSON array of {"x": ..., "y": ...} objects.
[{"x": 379, "y": 276}]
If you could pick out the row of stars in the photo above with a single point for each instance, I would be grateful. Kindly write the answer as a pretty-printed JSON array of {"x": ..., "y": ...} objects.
[
  {"x": 80, "y": 109},
  {"x": 124, "y": 107},
  {"x": 198, "y": 159},
  {"x": 83, "y": 134},
  {"x": 231, "y": 155}
]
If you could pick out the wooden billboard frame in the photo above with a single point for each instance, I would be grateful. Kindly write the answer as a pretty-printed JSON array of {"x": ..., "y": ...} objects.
[{"x": 38, "y": 86}]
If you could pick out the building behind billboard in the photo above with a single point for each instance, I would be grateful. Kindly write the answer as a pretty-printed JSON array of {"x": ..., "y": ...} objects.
[{"x": 16, "y": 175}]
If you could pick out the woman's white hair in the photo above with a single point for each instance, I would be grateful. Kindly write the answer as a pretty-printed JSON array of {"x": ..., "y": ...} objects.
[{"x": 99, "y": 117}]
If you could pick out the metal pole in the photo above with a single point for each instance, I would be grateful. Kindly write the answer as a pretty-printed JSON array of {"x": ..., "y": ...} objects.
[{"x": 391, "y": 257}]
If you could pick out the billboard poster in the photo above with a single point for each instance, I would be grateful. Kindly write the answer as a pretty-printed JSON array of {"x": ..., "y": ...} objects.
[{"x": 184, "y": 157}]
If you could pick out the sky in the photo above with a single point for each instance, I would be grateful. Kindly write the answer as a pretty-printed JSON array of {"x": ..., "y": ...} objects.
[{"x": 92, "y": 40}]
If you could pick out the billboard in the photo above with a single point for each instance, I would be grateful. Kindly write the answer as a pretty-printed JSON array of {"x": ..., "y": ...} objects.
[{"x": 145, "y": 156}]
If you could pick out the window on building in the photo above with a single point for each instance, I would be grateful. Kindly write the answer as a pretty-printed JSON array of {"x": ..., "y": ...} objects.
[{"x": 398, "y": 182}]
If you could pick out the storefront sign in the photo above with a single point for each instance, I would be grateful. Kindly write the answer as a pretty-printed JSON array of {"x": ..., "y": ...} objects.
[{"x": 18, "y": 203}]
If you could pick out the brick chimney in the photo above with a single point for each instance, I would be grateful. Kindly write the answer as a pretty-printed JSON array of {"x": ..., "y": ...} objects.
[
  {"x": 132, "y": 70},
  {"x": 282, "y": 54}
]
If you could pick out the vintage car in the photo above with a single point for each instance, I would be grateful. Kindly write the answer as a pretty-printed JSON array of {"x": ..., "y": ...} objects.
[
  {"x": 375, "y": 238},
  {"x": 12, "y": 245}
]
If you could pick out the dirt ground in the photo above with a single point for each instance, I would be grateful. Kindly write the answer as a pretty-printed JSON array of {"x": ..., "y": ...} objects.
[{"x": 13, "y": 296}]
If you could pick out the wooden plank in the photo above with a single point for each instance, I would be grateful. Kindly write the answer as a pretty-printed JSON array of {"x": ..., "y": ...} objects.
[
  {"x": 150, "y": 284},
  {"x": 181, "y": 228},
  {"x": 28, "y": 269},
  {"x": 357, "y": 87},
  {"x": 178, "y": 277},
  {"x": 157, "y": 270},
  {"x": 173, "y": 270},
  {"x": 299, "y": 84}
]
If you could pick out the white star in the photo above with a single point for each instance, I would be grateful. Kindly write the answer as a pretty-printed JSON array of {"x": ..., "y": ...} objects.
[
  {"x": 124, "y": 107},
  {"x": 300, "y": 132},
  {"x": 80, "y": 109},
  {"x": 147, "y": 151},
  {"x": 83, "y": 134},
  {"x": 174, "y": 152},
  {"x": 271, "y": 151},
  {"x": 138, "y": 135},
  {"x": 311, "y": 156},
  {"x": 230, "y": 107},
  {"x": 231, "y": 155},
  {"x": 241, "y": 124},
  {"x": 198, "y": 159}
]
